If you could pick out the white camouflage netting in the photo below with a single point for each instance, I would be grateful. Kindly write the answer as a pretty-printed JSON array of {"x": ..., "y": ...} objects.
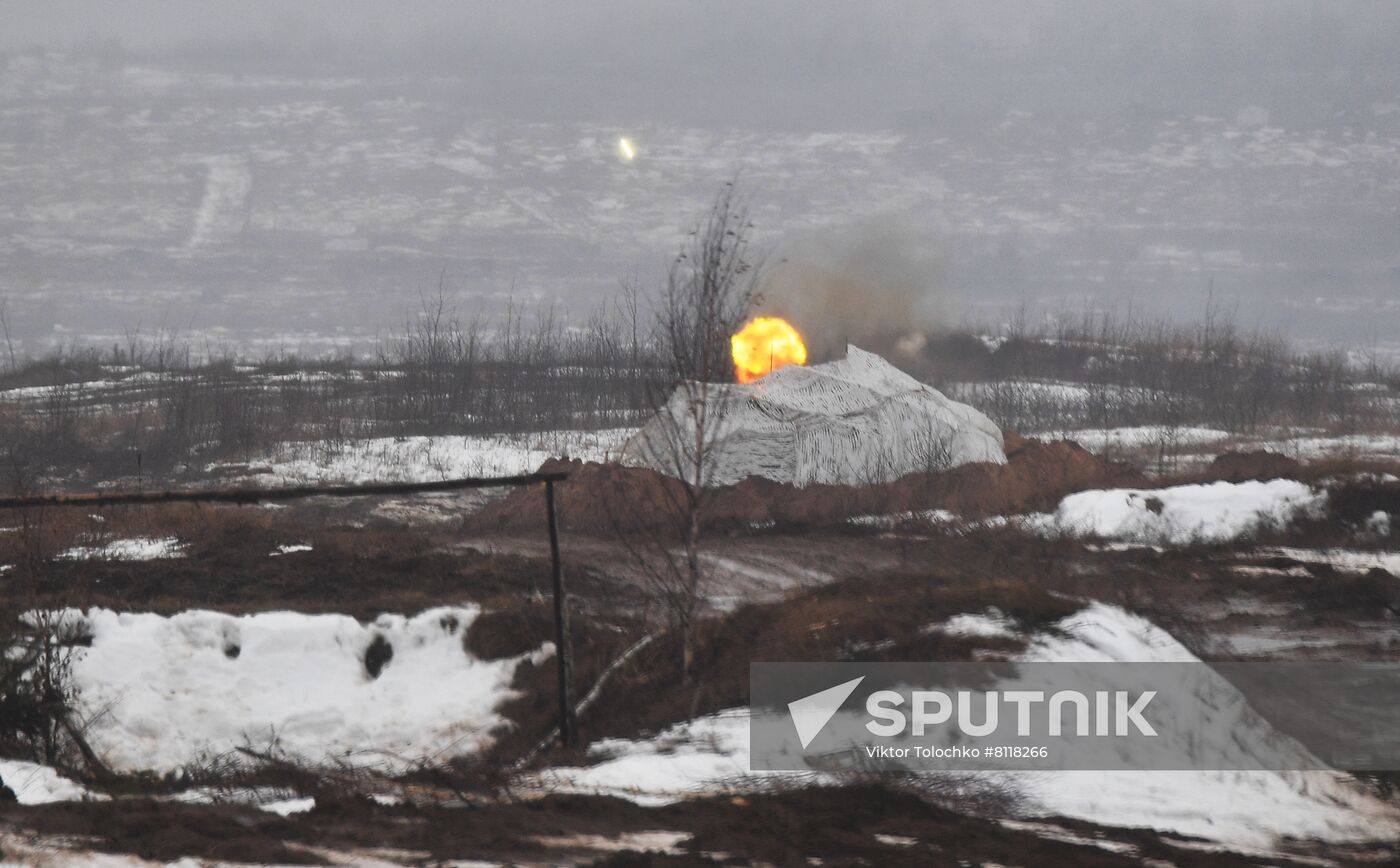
[{"x": 850, "y": 422}]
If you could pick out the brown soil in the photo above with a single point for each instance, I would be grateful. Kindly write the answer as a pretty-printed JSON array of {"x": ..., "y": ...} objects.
[
  {"x": 881, "y": 615},
  {"x": 838, "y": 825},
  {"x": 166, "y": 831},
  {"x": 227, "y": 567},
  {"x": 605, "y": 498},
  {"x": 864, "y": 617},
  {"x": 1260, "y": 465}
]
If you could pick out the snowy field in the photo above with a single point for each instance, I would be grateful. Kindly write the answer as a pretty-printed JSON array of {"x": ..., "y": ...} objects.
[
  {"x": 1197, "y": 445},
  {"x": 427, "y": 458},
  {"x": 1127, "y": 439}
]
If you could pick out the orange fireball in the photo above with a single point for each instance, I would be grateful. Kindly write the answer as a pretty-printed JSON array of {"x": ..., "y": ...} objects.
[{"x": 765, "y": 344}]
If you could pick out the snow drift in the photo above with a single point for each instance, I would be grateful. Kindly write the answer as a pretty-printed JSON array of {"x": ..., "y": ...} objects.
[
  {"x": 1241, "y": 809},
  {"x": 165, "y": 691},
  {"x": 855, "y": 421},
  {"x": 38, "y": 785},
  {"x": 1184, "y": 514}
]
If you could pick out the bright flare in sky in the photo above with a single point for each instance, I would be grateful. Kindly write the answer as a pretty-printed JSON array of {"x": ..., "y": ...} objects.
[{"x": 625, "y": 150}]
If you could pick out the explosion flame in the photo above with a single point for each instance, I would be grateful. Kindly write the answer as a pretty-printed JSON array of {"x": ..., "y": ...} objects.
[{"x": 763, "y": 345}]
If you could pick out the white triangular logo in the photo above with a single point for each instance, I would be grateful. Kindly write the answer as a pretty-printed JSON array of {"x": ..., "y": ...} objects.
[{"x": 811, "y": 713}]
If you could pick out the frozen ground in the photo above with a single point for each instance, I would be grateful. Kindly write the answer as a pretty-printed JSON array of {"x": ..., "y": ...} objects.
[{"x": 163, "y": 692}]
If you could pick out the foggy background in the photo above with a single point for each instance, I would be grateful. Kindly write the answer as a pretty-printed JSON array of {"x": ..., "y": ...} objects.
[{"x": 293, "y": 176}]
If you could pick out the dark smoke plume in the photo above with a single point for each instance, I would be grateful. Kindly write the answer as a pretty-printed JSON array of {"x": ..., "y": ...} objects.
[{"x": 876, "y": 285}]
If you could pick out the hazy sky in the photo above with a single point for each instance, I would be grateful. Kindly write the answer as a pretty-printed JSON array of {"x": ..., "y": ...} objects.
[{"x": 828, "y": 62}]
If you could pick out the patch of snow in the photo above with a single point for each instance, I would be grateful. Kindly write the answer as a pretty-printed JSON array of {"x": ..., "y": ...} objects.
[
  {"x": 432, "y": 458},
  {"x": 165, "y": 691},
  {"x": 1269, "y": 641},
  {"x": 253, "y": 796},
  {"x": 1255, "y": 571},
  {"x": 1246, "y": 808},
  {"x": 849, "y": 422},
  {"x": 1112, "y": 546},
  {"x": 890, "y": 520},
  {"x": 134, "y": 549},
  {"x": 1356, "y": 445},
  {"x": 1184, "y": 514},
  {"x": 38, "y": 785},
  {"x": 1138, "y": 437},
  {"x": 290, "y": 549},
  {"x": 1346, "y": 560},
  {"x": 656, "y": 841},
  {"x": 1051, "y": 832},
  {"x": 700, "y": 756},
  {"x": 287, "y": 807},
  {"x": 1377, "y": 526},
  {"x": 1101, "y": 633},
  {"x": 991, "y": 623}
]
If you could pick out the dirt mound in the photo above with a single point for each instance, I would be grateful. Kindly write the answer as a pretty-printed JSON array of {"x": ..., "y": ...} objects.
[
  {"x": 602, "y": 498},
  {"x": 1261, "y": 465}
]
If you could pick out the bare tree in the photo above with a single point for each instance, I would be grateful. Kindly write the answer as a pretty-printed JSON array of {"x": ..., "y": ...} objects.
[
  {"x": 11, "y": 359},
  {"x": 710, "y": 290}
]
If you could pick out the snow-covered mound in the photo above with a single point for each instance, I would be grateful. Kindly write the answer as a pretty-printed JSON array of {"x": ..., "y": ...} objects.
[
  {"x": 1241, "y": 809},
  {"x": 162, "y": 692},
  {"x": 1184, "y": 514},
  {"x": 850, "y": 422}
]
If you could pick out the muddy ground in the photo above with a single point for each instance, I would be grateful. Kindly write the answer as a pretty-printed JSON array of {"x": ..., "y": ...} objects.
[{"x": 862, "y": 824}]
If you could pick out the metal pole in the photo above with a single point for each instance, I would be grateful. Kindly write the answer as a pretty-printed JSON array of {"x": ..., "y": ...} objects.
[{"x": 568, "y": 735}]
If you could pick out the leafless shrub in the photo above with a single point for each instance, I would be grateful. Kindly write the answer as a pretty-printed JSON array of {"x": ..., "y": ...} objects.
[
  {"x": 1103, "y": 370},
  {"x": 709, "y": 292},
  {"x": 38, "y": 718}
]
